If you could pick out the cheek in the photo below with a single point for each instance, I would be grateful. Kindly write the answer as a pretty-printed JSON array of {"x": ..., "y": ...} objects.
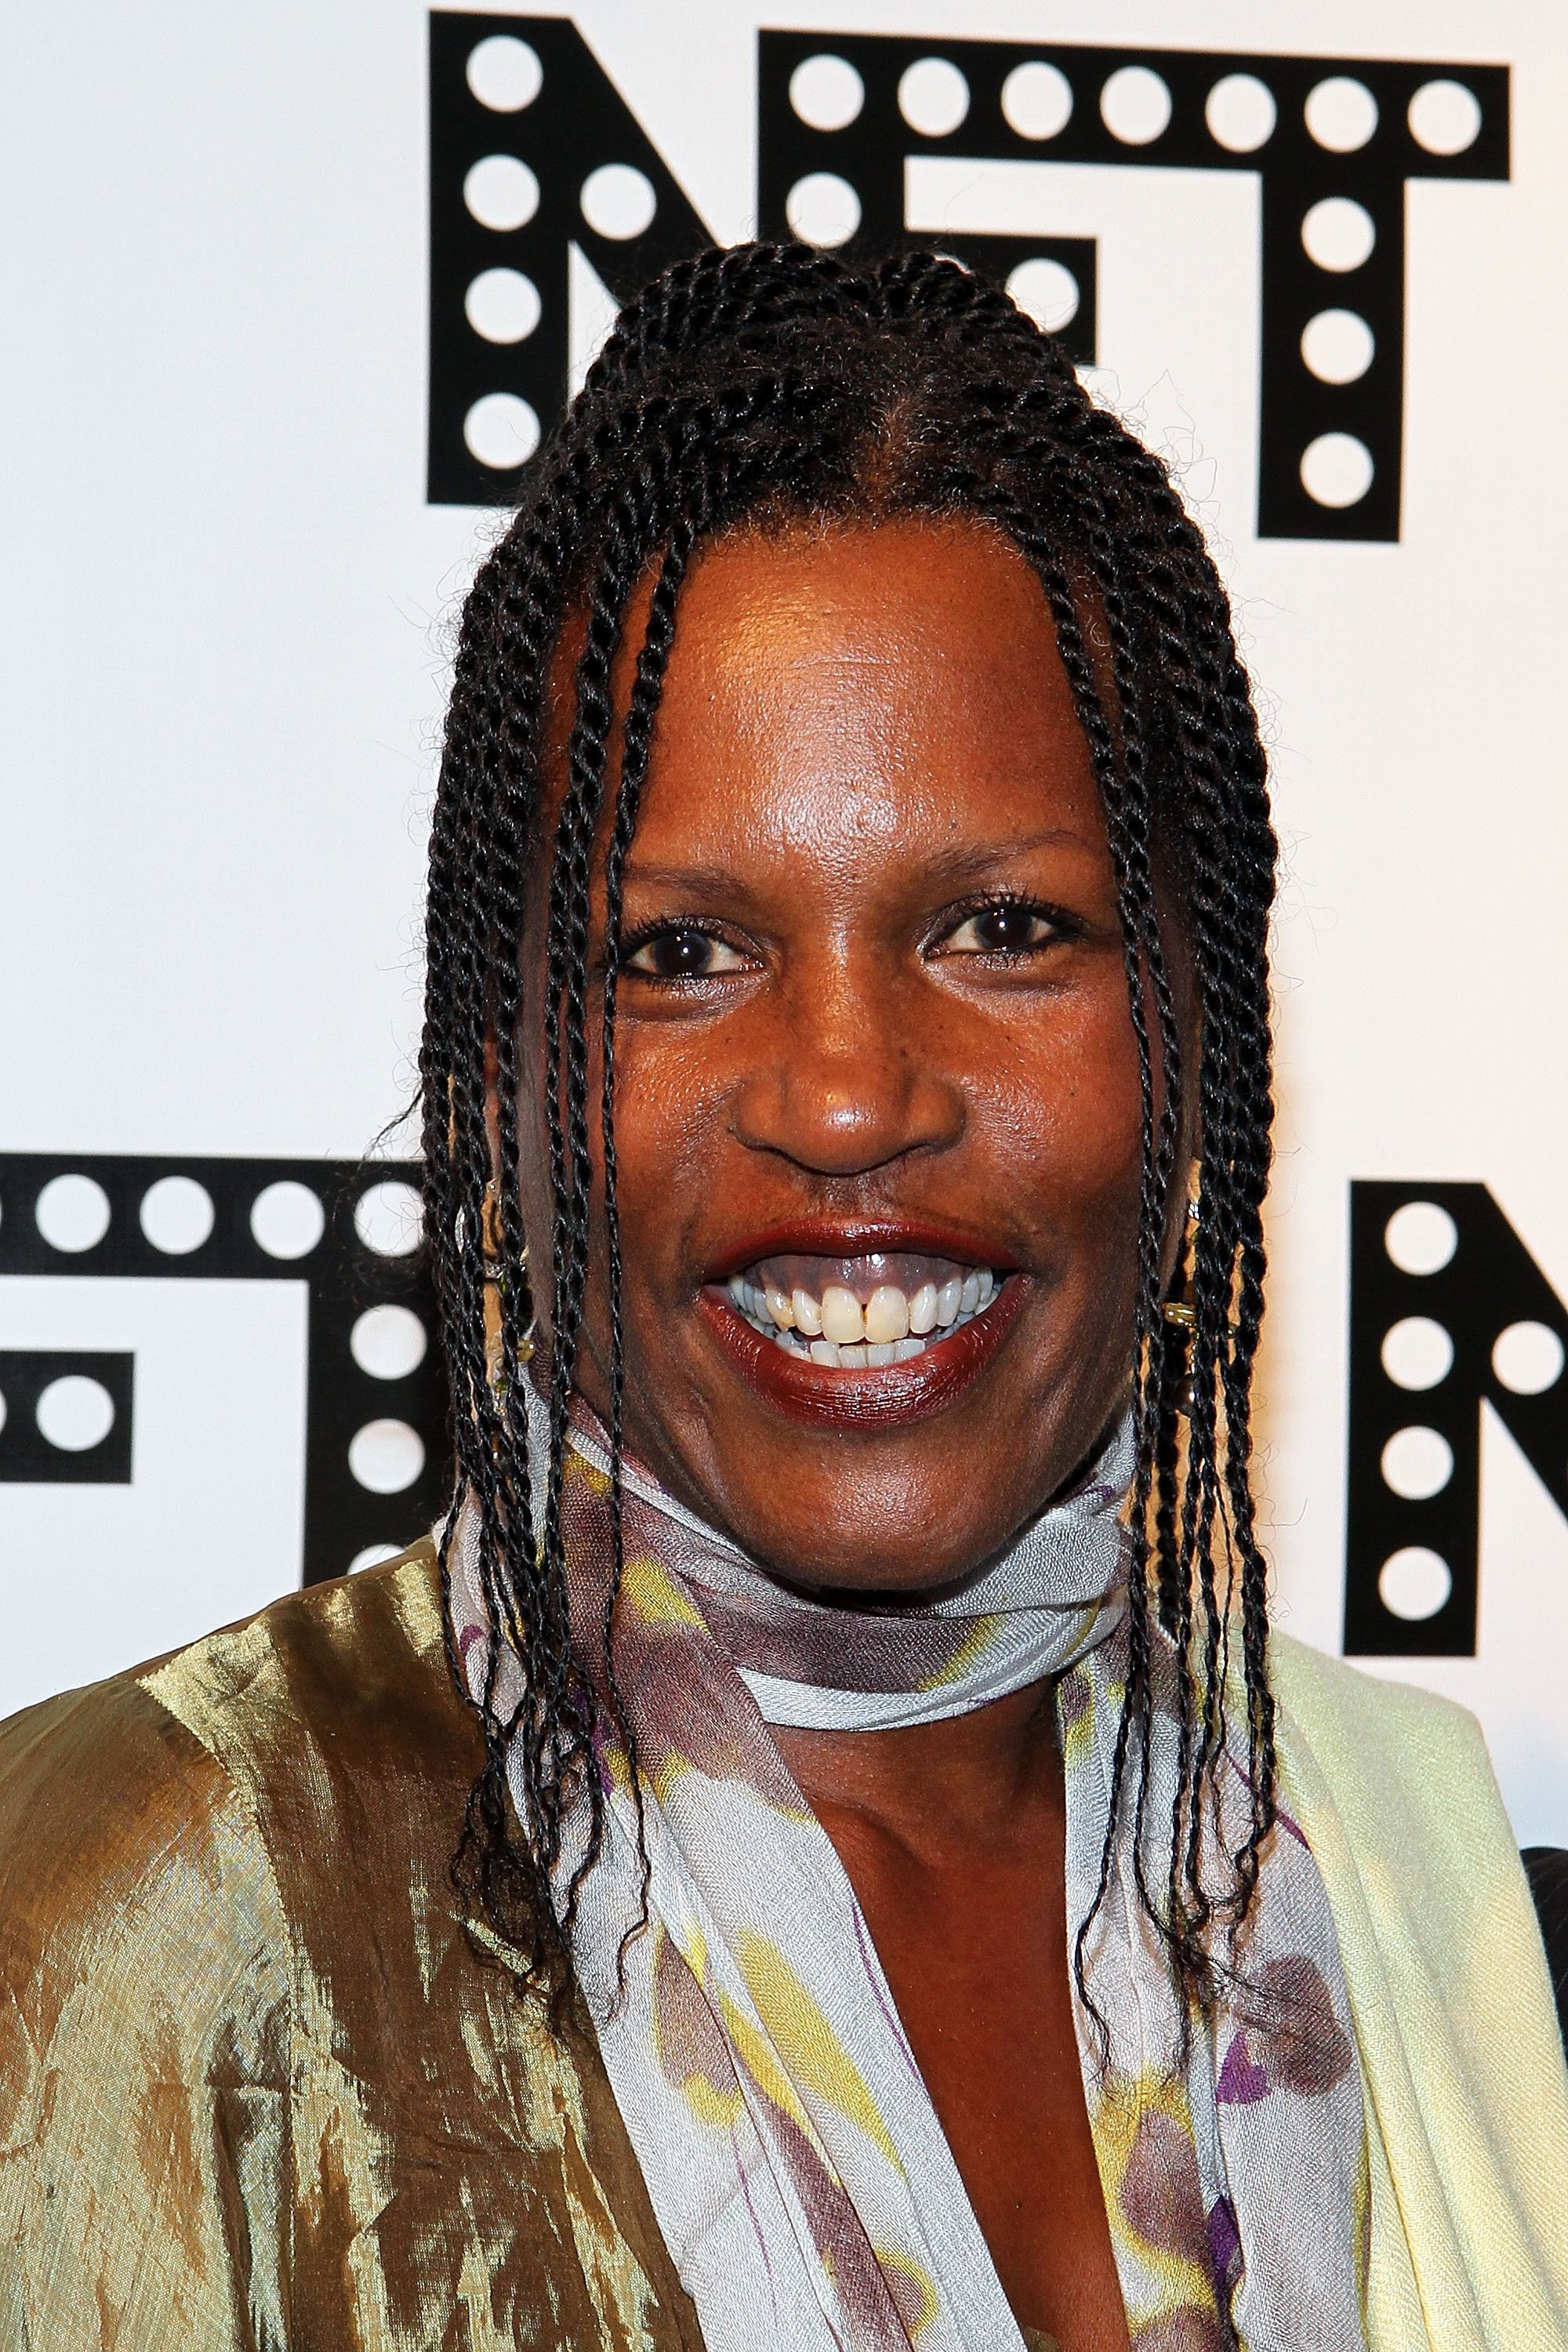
[
  {"x": 1064, "y": 1108},
  {"x": 672, "y": 1126}
]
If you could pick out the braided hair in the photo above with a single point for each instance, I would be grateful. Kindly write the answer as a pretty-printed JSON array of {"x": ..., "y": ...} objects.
[{"x": 762, "y": 383}]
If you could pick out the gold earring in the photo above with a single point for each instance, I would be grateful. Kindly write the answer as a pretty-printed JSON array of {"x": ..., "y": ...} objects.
[
  {"x": 1181, "y": 1322},
  {"x": 1177, "y": 1312},
  {"x": 495, "y": 1284}
]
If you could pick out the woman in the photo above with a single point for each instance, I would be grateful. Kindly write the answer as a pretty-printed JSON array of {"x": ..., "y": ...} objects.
[{"x": 905, "y": 1896}]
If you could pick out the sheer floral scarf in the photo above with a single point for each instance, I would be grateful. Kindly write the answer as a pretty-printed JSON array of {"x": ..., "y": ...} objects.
[{"x": 794, "y": 2161}]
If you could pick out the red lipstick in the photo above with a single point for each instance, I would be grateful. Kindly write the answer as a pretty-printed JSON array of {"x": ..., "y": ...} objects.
[
  {"x": 889, "y": 1396},
  {"x": 857, "y": 1237}
]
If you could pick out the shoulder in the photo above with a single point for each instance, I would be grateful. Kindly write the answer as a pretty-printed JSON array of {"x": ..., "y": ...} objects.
[
  {"x": 1397, "y": 1798},
  {"x": 1402, "y": 1766},
  {"x": 186, "y": 1846},
  {"x": 319, "y": 1677},
  {"x": 1405, "y": 1770},
  {"x": 111, "y": 1817},
  {"x": 335, "y": 1718},
  {"x": 1393, "y": 1790},
  {"x": 179, "y": 1786},
  {"x": 143, "y": 1955},
  {"x": 245, "y": 2038},
  {"x": 1346, "y": 1707},
  {"x": 145, "y": 1988}
]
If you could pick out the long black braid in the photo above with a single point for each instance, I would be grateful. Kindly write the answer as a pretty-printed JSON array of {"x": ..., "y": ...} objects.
[{"x": 771, "y": 383}]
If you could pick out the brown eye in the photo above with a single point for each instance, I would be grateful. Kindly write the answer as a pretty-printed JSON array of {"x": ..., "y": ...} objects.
[
  {"x": 1009, "y": 927},
  {"x": 682, "y": 952}
]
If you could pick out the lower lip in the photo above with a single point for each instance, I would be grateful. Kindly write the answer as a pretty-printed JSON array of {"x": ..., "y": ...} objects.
[{"x": 883, "y": 1399}]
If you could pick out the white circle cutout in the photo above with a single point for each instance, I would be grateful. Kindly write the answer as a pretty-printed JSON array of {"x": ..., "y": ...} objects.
[
  {"x": 618, "y": 200},
  {"x": 388, "y": 1342},
  {"x": 1241, "y": 113},
  {"x": 1046, "y": 291},
  {"x": 1338, "y": 346},
  {"x": 1337, "y": 469},
  {"x": 503, "y": 306},
  {"x": 1417, "y": 1463},
  {"x": 372, "y": 1556},
  {"x": 386, "y": 1456},
  {"x": 1415, "y": 1583},
  {"x": 288, "y": 1220},
  {"x": 1528, "y": 1357},
  {"x": 934, "y": 97},
  {"x": 1417, "y": 1353},
  {"x": 504, "y": 74},
  {"x": 501, "y": 193},
  {"x": 1341, "y": 114},
  {"x": 177, "y": 1214},
  {"x": 826, "y": 92},
  {"x": 72, "y": 1214},
  {"x": 1421, "y": 1237},
  {"x": 386, "y": 1219},
  {"x": 822, "y": 209},
  {"x": 76, "y": 1413},
  {"x": 1036, "y": 100},
  {"x": 1339, "y": 234},
  {"x": 501, "y": 430},
  {"x": 1444, "y": 118},
  {"x": 1135, "y": 106}
]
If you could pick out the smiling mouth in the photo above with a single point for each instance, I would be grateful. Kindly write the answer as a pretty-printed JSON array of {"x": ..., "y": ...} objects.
[
  {"x": 879, "y": 1339},
  {"x": 861, "y": 1314}
]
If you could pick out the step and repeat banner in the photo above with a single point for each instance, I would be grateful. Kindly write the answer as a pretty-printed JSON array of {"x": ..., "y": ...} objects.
[{"x": 288, "y": 301}]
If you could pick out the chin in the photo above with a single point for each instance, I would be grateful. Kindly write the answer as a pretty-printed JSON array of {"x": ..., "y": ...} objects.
[
  {"x": 878, "y": 1511},
  {"x": 892, "y": 1475},
  {"x": 859, "y": 1557}
]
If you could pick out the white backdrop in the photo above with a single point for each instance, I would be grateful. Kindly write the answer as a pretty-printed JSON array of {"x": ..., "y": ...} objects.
[{"x": 227, "y": 611}]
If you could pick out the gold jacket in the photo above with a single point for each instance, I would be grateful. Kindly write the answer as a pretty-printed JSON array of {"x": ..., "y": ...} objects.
[{"x": 257, "y": 2088}]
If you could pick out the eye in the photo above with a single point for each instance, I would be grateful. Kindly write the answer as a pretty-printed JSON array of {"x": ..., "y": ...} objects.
[
  {"x": 1007, "y": 927},
  {"x": 682, "y": 952}
]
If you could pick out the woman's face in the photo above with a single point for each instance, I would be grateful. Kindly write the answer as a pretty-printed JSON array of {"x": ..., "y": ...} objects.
[{"x": 877, "y": 1102}]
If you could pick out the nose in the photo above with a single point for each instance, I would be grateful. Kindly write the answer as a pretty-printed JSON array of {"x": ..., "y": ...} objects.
[{"x": 845, "y": 1088}]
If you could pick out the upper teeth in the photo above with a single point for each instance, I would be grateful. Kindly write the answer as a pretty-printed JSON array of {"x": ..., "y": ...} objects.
[{"x": 863, "y": 1316}]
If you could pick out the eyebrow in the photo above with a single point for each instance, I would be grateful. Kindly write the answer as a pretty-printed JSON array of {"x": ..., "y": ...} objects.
[{"x": 959, "y": 865}]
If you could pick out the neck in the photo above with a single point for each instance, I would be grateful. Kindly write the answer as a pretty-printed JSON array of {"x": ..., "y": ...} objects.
[{"x": 953, "y": 1788}]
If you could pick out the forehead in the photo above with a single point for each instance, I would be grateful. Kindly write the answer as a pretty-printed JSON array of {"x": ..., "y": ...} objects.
[{"x": 909, "y": 667}]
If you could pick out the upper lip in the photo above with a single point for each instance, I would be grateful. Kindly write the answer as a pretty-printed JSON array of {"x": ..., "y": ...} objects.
[{"x": 857, "y": 1237}]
